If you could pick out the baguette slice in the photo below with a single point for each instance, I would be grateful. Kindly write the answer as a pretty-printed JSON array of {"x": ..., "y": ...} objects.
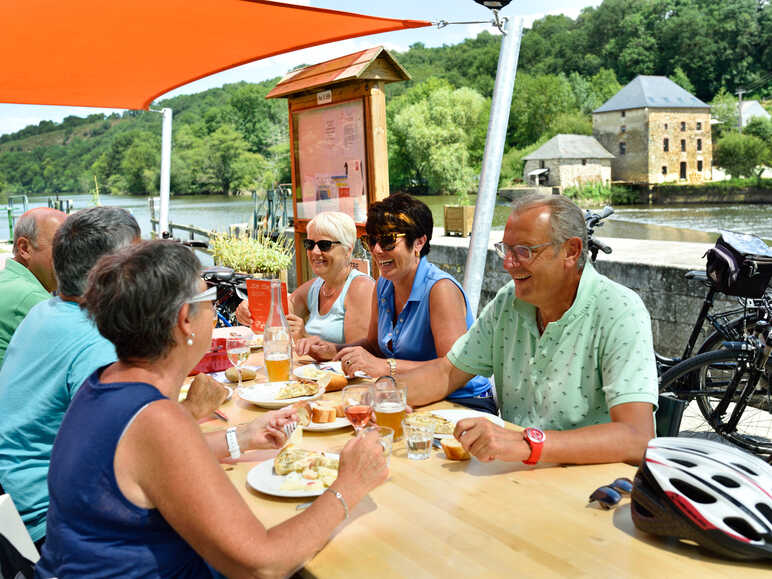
[
  {"x": 454, "y": 450},
  {"x": 332, "y": 381},
  {"x": 303, "y": 410},
  {"x": 322, "y": 413}
]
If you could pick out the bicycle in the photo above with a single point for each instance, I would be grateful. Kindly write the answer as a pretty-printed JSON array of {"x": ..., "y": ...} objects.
[{"x": 231, "y": 291}]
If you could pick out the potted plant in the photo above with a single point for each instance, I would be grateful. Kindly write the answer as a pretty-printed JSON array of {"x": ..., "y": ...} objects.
[
  {"x": 459, "y": 217},
  {"x": 259, "y": 256}
]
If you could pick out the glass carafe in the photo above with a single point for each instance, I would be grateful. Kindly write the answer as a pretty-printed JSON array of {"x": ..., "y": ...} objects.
[{"x": 277, "y": 344}]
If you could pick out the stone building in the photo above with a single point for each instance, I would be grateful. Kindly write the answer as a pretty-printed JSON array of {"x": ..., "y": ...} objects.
[
  {"x": 657, "y": 132},
  {"x": 568, "y": 161}
]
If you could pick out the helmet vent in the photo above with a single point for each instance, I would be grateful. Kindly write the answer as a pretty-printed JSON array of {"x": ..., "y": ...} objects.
[
  {"x": 641, "y": 510},
  {"x": 765, "y": 510},
  {"x": 683, "y": 462},
  {"x": 692, "y": 492},
  {"x": 745, "y": 468},
  {"x": 743, "y": 528},
  {"x": 726, "y": 481}
]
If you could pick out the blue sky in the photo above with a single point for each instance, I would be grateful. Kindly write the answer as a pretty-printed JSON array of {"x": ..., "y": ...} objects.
[{"x": 15, "y": 117}]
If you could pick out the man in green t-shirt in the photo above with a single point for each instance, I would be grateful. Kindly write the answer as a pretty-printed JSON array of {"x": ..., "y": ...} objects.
[
  {"x": 28, "y": 278},
  {"x": 571, "y": 351}
]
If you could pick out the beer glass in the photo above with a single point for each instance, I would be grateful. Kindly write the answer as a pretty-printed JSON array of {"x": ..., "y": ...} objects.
[{"x": 390, "y": 404}]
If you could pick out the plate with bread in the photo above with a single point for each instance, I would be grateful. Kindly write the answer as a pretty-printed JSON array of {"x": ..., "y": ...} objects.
[
  {"x": 296, "y": 471},
  {"x": 324, "y": 372},
  {"x": 321, "y": 415},
  {"x": 444, "y": 420},
  {"x": 280, "y": 394}
]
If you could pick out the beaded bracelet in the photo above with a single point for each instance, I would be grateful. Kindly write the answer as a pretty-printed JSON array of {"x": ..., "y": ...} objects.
[{"x": 339, "y": 496}]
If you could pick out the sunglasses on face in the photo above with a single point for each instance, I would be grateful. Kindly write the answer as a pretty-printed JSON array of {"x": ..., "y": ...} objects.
[
  {"x": 522, "y": 253},
  {"x": 387, "y": 241},
  {"x": 610, "y": 495},
  {"x": 324, "y": 244}
]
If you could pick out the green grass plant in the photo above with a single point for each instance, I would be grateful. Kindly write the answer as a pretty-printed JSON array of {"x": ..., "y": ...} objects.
[
  {"x": 260, "y": 254},
  {"x": 601, "y": 193}
]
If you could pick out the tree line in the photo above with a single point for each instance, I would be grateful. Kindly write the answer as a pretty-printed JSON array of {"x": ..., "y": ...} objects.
[{"x": 232, "y": 139}]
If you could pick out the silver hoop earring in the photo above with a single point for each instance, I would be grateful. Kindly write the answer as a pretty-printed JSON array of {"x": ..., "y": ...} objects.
[{"x": 190, "y": 339}]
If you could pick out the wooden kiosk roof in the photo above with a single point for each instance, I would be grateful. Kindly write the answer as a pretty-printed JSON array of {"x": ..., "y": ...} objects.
[{"x": 372, "y": 64}]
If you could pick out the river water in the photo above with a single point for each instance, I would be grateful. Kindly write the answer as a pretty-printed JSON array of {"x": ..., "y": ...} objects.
[{"x": 670, "y": 222}]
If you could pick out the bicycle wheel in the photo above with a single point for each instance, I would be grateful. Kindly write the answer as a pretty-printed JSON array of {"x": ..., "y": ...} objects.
[{"x": 704, "y": 380}]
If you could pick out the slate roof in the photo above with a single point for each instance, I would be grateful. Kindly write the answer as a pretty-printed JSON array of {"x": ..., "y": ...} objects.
[
  {"x": 753, "y": 109},
  {"x": 570, "y": 147},
  {"x": 652, "y": 92}
]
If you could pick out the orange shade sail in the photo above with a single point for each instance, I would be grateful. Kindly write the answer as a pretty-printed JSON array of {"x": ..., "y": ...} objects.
[{"x": 126, "y": 53}]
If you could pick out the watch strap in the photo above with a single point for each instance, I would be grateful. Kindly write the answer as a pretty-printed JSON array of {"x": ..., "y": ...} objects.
[
  {"x": 535, "y": 439},
  {"x": 233, "y": 442}
]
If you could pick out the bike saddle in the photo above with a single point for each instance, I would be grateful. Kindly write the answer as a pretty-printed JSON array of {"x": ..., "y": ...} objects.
[{"x": 217, "y": 273}]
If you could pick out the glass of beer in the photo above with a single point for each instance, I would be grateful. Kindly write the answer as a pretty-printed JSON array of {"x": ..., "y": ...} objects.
[
  {"x": 390, "y": 404},
  {"x": 277, "y": 351}
]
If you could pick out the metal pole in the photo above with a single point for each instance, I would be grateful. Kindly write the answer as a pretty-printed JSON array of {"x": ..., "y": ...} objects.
[
  {"x": 491, "y": 164},
  {"x": 166, "y": 157}
]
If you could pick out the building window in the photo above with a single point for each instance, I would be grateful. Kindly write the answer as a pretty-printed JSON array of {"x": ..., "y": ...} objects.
[
  {"x": 541, "y": 164},
  {"x": 699, "y": 144},
  {"x": 666, "y": 126},
  {"x": 682, "y": 174},
  {"x": 683, "y": 144},
  {"x": 623, "y": 128},
  {"x": 683, "y": 126},
  {"x": 623, "y": 114},
  {"x": 666, "y": 145},
  {"x": 584, "y": 161},
  {"x": 699, "y": 164},
  {"x": 622, "y": 148},
  {"x": 664, "y": 169},
  {"x": 699, "y": 126}
]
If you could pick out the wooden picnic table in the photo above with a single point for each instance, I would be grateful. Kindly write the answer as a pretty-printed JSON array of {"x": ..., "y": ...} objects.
[{"x": 446, "y": 518}]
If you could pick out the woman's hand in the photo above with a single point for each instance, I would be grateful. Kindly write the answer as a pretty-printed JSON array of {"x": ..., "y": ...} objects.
[
  {"x": 362, "y": 467},
  {"x": 315, "y": 347},
  {"x": 243, "y": 315},
  {"x": 356, "y": 358},
  {"x": 266, "y": 431},
  {"x": 297, "y": 327}
]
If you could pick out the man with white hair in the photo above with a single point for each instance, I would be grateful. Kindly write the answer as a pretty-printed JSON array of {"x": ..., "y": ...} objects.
[{"x": 28, "y": 278}]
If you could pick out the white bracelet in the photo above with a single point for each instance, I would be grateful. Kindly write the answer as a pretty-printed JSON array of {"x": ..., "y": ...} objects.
[
  {"x": 233, "y": 442},
  {"x": 342, "y": 501}
]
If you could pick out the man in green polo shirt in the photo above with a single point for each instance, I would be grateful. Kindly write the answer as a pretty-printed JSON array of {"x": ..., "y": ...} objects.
[
  {"x": 571, "y": 351},
  {"x": 28, "y": 278}
]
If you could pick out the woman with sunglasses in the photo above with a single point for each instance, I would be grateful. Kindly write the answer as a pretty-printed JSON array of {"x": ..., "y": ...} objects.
[
  {"x": 418, "y": 310},
  {"x": 335, "y": 305}
]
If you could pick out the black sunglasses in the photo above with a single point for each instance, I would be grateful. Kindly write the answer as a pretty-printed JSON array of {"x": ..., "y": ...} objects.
[
  {"x": 387, "y": 241},
  {"x": 324, "y": 244},
  {"x": 610, "y": 495}
]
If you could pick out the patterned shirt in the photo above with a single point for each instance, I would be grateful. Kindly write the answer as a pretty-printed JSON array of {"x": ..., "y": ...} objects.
[{"x": 598, "y": 354}]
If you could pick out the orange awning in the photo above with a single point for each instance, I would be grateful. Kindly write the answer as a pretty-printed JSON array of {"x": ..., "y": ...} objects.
[{"x": 126, "y": 53}]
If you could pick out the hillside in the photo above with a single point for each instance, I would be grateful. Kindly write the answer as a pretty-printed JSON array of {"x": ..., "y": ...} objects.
[{"x": 229, "y": 139}]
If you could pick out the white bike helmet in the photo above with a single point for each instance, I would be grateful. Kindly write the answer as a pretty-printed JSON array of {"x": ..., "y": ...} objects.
[{"x": 713, "y": 494}]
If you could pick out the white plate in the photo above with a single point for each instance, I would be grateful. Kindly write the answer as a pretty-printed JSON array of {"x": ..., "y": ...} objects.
[
  {"x": 456, "y": 414},
  {"x": 220, "y": 376},
  {"x": 304, "y": 371},
  {"x": 265, "y": 395},
  {"x": 339, "y": 422},
  {"x": 263, "y": 478},
  {"x": 186, "y": 387}
]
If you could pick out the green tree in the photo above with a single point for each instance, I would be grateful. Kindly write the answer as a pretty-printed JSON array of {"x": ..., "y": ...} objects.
[
  {"x": 740, "y": 155},
  {"x": 679, "y": 77},
  {"x": 761, "y": 128},
  {"x": 724, "y": 110},
  {"x": 229, "y": 166},
  {"x": 536, "y": 102}
]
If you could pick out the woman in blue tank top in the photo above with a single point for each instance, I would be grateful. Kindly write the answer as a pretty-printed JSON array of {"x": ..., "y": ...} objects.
[
  {"x": 136, "y": 489},
  {"x": 421, "y": 310},
  {"x": 335, "y": 305}
]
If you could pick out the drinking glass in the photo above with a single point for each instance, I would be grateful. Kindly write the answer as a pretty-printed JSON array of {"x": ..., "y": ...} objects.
[
  {"x": 358, "y": 404},
  {"x": 385, "y": 437},
  {"x": 237, "y": 348},
  {"x": 418, "y": 439},
  {"x": 277, "y": 350},
  {"x": 390, "y": 404}
]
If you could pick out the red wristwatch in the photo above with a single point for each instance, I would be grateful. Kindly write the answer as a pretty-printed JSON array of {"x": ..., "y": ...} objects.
[{"x": 535, "y": 439}]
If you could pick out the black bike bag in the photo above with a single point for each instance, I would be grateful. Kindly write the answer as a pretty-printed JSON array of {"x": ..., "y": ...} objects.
[{"x": 740, "y": 264}]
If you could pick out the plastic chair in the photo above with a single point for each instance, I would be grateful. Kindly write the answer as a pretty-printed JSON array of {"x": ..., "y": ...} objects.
[{"x": 13, "y": 529}]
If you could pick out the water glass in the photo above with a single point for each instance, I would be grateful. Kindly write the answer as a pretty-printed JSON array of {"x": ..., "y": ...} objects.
[
  {"x": 418, "y": 439},
  {"x": 238, "y": 351},
  {"x": 385, "y": 437}
]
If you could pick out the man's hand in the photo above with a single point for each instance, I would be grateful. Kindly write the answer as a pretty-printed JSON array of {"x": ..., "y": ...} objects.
[
  {"x": 315, "y": 347},
  {"x": 243, "y": 315},
  {"x": 487, "y": 441},
  {"x": 205, "y": 396}
]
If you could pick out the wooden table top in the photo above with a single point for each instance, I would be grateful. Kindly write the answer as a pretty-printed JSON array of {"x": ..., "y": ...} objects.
[{"x": 439, "y": 517}]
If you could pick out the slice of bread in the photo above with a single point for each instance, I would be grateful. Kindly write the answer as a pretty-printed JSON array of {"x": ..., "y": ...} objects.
[
  {"x": 323, "y": 412},
  {"x": 332, "y": 381},
  {"x": 303, "y": 410},
  {"x": 454, "y": 450}
]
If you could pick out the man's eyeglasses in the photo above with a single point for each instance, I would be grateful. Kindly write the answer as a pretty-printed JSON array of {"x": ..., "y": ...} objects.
[
  {"x": 523, "y": 253},
  {"x": 208, "y": 295},
  {"x": 610, "y": 495},
  {"x": 387, "y": 241},
  {"x": 325, "y": 245}
]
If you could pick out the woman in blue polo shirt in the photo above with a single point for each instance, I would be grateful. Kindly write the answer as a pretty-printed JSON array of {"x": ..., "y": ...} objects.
[{"x": 421, "y": 310}]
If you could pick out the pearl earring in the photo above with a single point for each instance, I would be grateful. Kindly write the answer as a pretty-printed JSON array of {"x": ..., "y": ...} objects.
[{"x": 189, "y": 341}]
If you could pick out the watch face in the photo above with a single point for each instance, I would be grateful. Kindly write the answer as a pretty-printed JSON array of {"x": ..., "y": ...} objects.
[{"x": 535, "y": 435}]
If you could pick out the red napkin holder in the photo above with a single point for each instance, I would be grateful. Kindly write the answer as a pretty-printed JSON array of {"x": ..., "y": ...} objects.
[{"x": 215, "y": 360}]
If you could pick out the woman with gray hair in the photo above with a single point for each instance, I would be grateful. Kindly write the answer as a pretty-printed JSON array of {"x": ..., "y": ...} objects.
[
  {"x": 335, "y": 305},
  {"x": 146, "y": 496}
]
